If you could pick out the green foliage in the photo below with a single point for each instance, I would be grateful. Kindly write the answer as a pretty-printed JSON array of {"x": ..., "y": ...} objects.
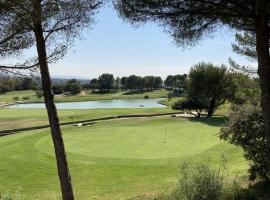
[
  {"x": 199, "y": 182},
  {"x": 73, "y": 87},
  {"x": 15, "y": 98},
  {"x": 106, "y": 82},
  {"x": 245, "y": 44},
  {"x": 58, "y": 89},
  {"x": 28, "y": 84},
  {"x": 245, "y": 128},
  {"x": 26, "y": 98},
  {"x": 39, "y": 93},
  {"x": 94, "y": 84},
  {"x": 146, "y": 97},
  {"x": 134, "y": 82},
  {"x": 244, "y": 89},
  {"x": 235, "y": 192},
  {"x": 210, "y": 85},
  {"x": 178, "y": 82},
  {"x": 189, "y": 105}
]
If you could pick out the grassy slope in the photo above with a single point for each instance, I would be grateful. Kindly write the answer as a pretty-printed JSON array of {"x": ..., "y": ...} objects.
[
  {"x": 113, "y": 160},
  {"x": 21, "y": 118},
  {"x": 8, "y": 97}
]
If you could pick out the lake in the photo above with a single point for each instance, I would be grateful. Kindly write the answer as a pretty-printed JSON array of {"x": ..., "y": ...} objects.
[{"x": 115, "y": 103}]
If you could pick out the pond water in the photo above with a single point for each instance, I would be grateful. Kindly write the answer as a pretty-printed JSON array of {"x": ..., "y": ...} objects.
[{"x": 116, "y": 103}]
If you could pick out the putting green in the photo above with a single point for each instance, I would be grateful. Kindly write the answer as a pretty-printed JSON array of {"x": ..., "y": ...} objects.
[{"x": 114, "y": 159}]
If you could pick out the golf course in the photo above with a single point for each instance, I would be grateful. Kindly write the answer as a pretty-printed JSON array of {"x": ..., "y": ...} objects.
[{"x": 114, "y": 159}]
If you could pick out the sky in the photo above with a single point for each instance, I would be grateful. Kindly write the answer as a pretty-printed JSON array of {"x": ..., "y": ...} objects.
[{"x": 114, "y": 46}]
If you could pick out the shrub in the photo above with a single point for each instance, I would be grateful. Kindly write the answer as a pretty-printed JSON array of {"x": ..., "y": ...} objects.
[
  {"x": 199, "y": 182},
  {"x": 189, "y": 105},
  {"x": 39, "y": 93},
  {"x": 245, "y": 128},
  {"x": 73, "y": 87},
  {"x": 15, "y": 98},
  {"x": 235, "y": 192},
  {"x": 26, "y": 98},
  {"x": 146, "y": 96},
  {"x": 58, "y": 89}
]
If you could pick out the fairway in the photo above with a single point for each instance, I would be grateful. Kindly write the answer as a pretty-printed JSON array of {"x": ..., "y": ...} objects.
[{"x": 114, "y": 159}]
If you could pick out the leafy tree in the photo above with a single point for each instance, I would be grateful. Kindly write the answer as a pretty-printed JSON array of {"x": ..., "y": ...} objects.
[
  {"x": 188, "y": 21},
  {"x": 28, "y": 84},
  {"x": 158, "y": 82},
  {"x": 94, "y": 84},
  {"x": 132, "y": 82},
  {"x": 50, "y": 26},
  {"x": 244, "y": 89},
  {"x": 117, "y": 84},
  {"x": 106, "y": 82},
  {"x": 210, "y": 85},
  {"x": 73, "y": 87},
  {"x": 124, "y": 82},
  {"x": 58, "y": 89},
  {"x": 245, "y": 128},
  {"x": 176, "y": 81}
]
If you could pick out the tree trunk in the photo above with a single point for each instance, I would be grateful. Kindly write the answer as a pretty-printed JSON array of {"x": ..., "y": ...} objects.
[
  {"x": 262, "y": 47},
  {"x": 63, "y": 171},
  {"x": 211, "y": 107}
]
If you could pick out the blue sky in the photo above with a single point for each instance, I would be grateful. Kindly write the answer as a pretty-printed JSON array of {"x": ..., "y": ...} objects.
[{"x": 114, "y": 46}]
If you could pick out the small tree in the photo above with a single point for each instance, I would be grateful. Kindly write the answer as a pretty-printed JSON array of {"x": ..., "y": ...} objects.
[
  {"x": 245, "y": 128},
  {"x": 73, "y": 87},
  {"x": 210, "y": 85},
  {"x": 106, "y": 82}
]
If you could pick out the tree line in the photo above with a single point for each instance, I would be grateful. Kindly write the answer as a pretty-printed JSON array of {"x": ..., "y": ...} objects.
[{"x": 8, "y": 84}]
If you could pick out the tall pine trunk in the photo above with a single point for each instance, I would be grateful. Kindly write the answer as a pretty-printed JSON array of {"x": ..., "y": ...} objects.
[
  {"x": 63, "y": 170},
  {"x": 262, "y": 47}
]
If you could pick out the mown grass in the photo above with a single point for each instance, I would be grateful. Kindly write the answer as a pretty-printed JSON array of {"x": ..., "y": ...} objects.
[
  {"x": 87, "y": 96},
  {"x": 22, "y": 118},
  {"x": 114, "y": 159}
]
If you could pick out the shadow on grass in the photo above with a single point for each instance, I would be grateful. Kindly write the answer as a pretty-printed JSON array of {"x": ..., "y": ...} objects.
[
  {"x": 136, "y": 92},
  {"x": 211, "y": 121},
  {"x": 261, "y": 190}
]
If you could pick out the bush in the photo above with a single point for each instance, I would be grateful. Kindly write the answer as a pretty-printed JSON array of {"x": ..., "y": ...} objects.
[
  {"x": 245, "y": 128},
  {"x": 58, "y": 89},
  {"x": 189, "y": 105},
  {"x": 26, "y": 98},
  {"x": 199, "y": 182},
  {"x": 15, "y": 98},
  {"x": 73, "y": 87},
  {"x": 146, "y": 96},
  {"x": 235, "y": 192},
  {"x": 39, "y": 93}
]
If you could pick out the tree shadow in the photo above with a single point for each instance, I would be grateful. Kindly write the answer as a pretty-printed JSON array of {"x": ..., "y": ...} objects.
[
  {"x": 261, "y": 190},
  {"x": 136, "y": 92},
  {"x": 217, "y": 121}
]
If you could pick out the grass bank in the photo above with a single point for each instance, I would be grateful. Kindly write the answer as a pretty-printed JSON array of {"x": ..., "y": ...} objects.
[
  {"x": 116, "y": 159},
  {"x": 86, "y": 96}
]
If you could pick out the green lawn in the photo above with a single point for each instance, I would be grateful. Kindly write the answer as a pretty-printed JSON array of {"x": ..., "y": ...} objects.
[
  {"x": 8, "y": 97},
  {"x": 114, "y": 159},
  {"x": 22, "y": 118}
]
